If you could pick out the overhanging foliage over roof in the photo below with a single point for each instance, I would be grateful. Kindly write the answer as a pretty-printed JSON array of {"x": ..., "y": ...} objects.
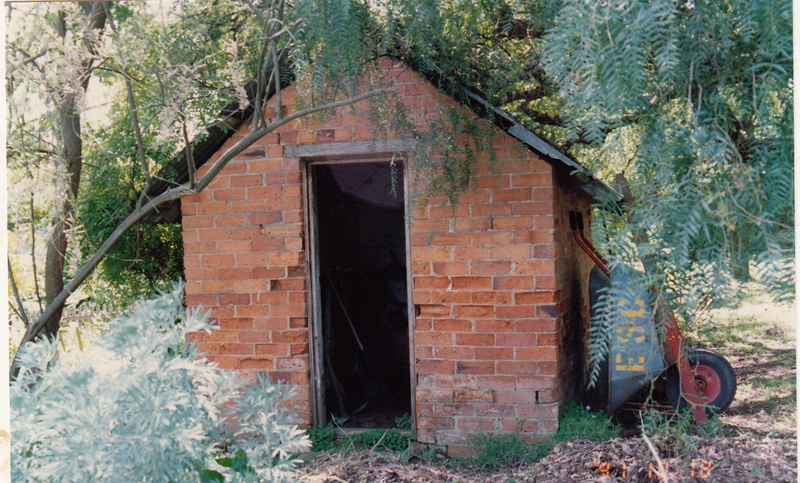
[{"x": 176, "y": 172}]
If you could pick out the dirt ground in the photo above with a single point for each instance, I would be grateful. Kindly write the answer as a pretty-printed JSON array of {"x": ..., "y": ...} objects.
[{"x": 757, "y": 443}]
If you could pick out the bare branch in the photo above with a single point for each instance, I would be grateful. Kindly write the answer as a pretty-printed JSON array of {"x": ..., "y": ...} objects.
[
  {"x": 189, "y": 155},
  {"x": 33, "y": 258},
  {"x": 175, "y": 193},
  {"x": 277, "y": 74},
  {"x": 21, "y": 312}
]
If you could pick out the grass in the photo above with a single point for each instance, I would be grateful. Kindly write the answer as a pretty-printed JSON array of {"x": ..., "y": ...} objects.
[
  {"x": 328, "y": 439},
  {"x": 494, "y": 451},
  {"x": 758, "y": 339}
]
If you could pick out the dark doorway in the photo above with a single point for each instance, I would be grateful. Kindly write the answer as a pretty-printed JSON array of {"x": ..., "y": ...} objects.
[{"x": 361, "y": 293}]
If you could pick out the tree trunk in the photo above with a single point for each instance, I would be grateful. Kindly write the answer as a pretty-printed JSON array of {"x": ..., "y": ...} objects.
[{"x": 72, "y": 156}]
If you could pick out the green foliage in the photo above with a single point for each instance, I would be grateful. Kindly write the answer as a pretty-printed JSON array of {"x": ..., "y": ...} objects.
[
  {"x": 404, "y": 422},
  {"x": 387, "y": 439},
  {"x": 143, "y": 405},
  {"x": 577, "y": 422},
  {"x": 323, "y": 438},
  {"x": 693, "y": 101},
  {"x": 504, "y": 450}
]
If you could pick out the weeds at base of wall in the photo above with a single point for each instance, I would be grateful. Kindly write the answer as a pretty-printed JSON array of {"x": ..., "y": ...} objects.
[
  {"x": 489, "y": 451},
  {"x": 492, "y": 451}
]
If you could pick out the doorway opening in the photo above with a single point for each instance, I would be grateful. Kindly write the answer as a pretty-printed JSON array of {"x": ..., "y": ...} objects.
[{"x": 363, "y": 376}]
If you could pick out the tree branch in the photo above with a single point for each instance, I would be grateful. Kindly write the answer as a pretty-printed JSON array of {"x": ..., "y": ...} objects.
[
  {"x": 175, "y": 193},
  {"x": 21, "y": 312},
  {"x": 33, "y": 258}
]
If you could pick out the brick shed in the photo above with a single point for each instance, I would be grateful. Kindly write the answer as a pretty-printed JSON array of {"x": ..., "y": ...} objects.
[{"x": 468, "y": 318}]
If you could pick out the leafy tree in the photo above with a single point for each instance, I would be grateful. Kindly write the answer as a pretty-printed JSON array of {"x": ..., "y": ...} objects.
[{"x": 693, "y": 101}]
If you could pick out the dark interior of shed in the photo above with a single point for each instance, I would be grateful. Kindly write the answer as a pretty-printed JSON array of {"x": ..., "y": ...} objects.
[{"x": 361, "y": 249}]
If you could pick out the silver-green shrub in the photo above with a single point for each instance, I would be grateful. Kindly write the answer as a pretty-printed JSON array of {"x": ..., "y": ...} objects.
[{"x": 142, "y": 404}]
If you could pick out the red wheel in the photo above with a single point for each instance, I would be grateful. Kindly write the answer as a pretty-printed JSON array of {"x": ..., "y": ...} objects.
[{"x": 713, "y": 376}]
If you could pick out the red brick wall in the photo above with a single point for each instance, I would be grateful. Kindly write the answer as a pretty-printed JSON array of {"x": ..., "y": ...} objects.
[{"x": 493, "y": 278}]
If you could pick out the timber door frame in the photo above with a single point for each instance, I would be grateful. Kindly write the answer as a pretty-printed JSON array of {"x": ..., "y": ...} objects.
[{"x": 336, "y": 156}]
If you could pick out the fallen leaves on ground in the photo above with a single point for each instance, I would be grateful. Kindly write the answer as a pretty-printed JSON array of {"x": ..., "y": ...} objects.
[{"x": 723, "y": 460}]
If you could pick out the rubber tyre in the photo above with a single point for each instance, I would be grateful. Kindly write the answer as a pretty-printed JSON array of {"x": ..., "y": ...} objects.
[{"x": 714, "y": 376}]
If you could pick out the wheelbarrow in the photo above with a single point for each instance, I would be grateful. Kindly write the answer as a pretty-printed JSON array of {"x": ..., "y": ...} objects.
[{"x": 646, "y": 347}]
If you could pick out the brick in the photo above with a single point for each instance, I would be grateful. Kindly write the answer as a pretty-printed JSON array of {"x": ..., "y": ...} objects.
[
  {"x": 533, "y": 179},
  {"x": 200, "y": 247},
  {"x": 215, "y": 208},
  {"x": 454, "y": 298},
  {"x": 432, "y": 254},
  {"x": 434, "y": 367},
  {"x": 445, "y": 410},
  {"x": 490, "y": 268},
  {"x": 474, "y": 311},
  {"x": 510, "y": 252},
  {"x": 452, "y": 325},
  {"x": 237, "y": 219},
  {"x": 440, "y": 283},
  {"x": 475, "y": 424},
  {"x": 513, "y": 223},
  {"x": 532, "y": 208},
  {"x": 544, "y": 222},
  {"x": 430, "y": 226},
  {"x": 536, "y": 353},
  {"x": 433, "y": 310},
  {"x": 534, "y": 236},
  {"x": 491, "y": 209},
  {"x": 298, "y": 363},
  {"x": 473, "y": 224},
  {"x": 232, "y": 348},
  {"x": 515, "y": 396},
  {"x": 492, "y": 238},
  {"x": 453, "y": 353},
  {"x": 246, "y": 180},
  {"x": 289, "y": 310},
  {"x": 495, "y": 410},
  {"x": 513, "y": 282},
  {"x": 494, "y": 353},
  {"x": 511, "y": 194},
  {"x": 475, "y": 339},
  {"x": 215, "y": 234},
  {"x": 427, "y": 422},
  {"x": 472, "y": 283},
  {"x": 544, "y": 194},
  {"x": 544, "y": 251},
  {"x": 434, "y": 395},
  {"x": 545, "y": 282},
  {"x": 491, "y": 298},
  {"x": 286, "y": 258},
  {"x": 218, "y": 261},
  {"x": 494, "y": 326},
  {"x": 516, "y": 340},
  {"x": 471, "y": 253},
  {"x": 535, "y": 298},
  {"x": 450, "y": 268},
  {"x": 253, "y": 336},
  {"x": 201, "y": 299},
  {"x": 222, "y": 336},
  {"x": 451, "y": 239},
  {"x": 525, "y": 368},
  {"x": 236, "y": 323},
  {"x": 474, "y": 367},
  {"x": 515, "y": 311},
  {"x": 233, "y": 246},
  {"x": 535, "y": 382},
  {"x": 234, "y": 298},
  {"x": 536, "y": 325}
]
